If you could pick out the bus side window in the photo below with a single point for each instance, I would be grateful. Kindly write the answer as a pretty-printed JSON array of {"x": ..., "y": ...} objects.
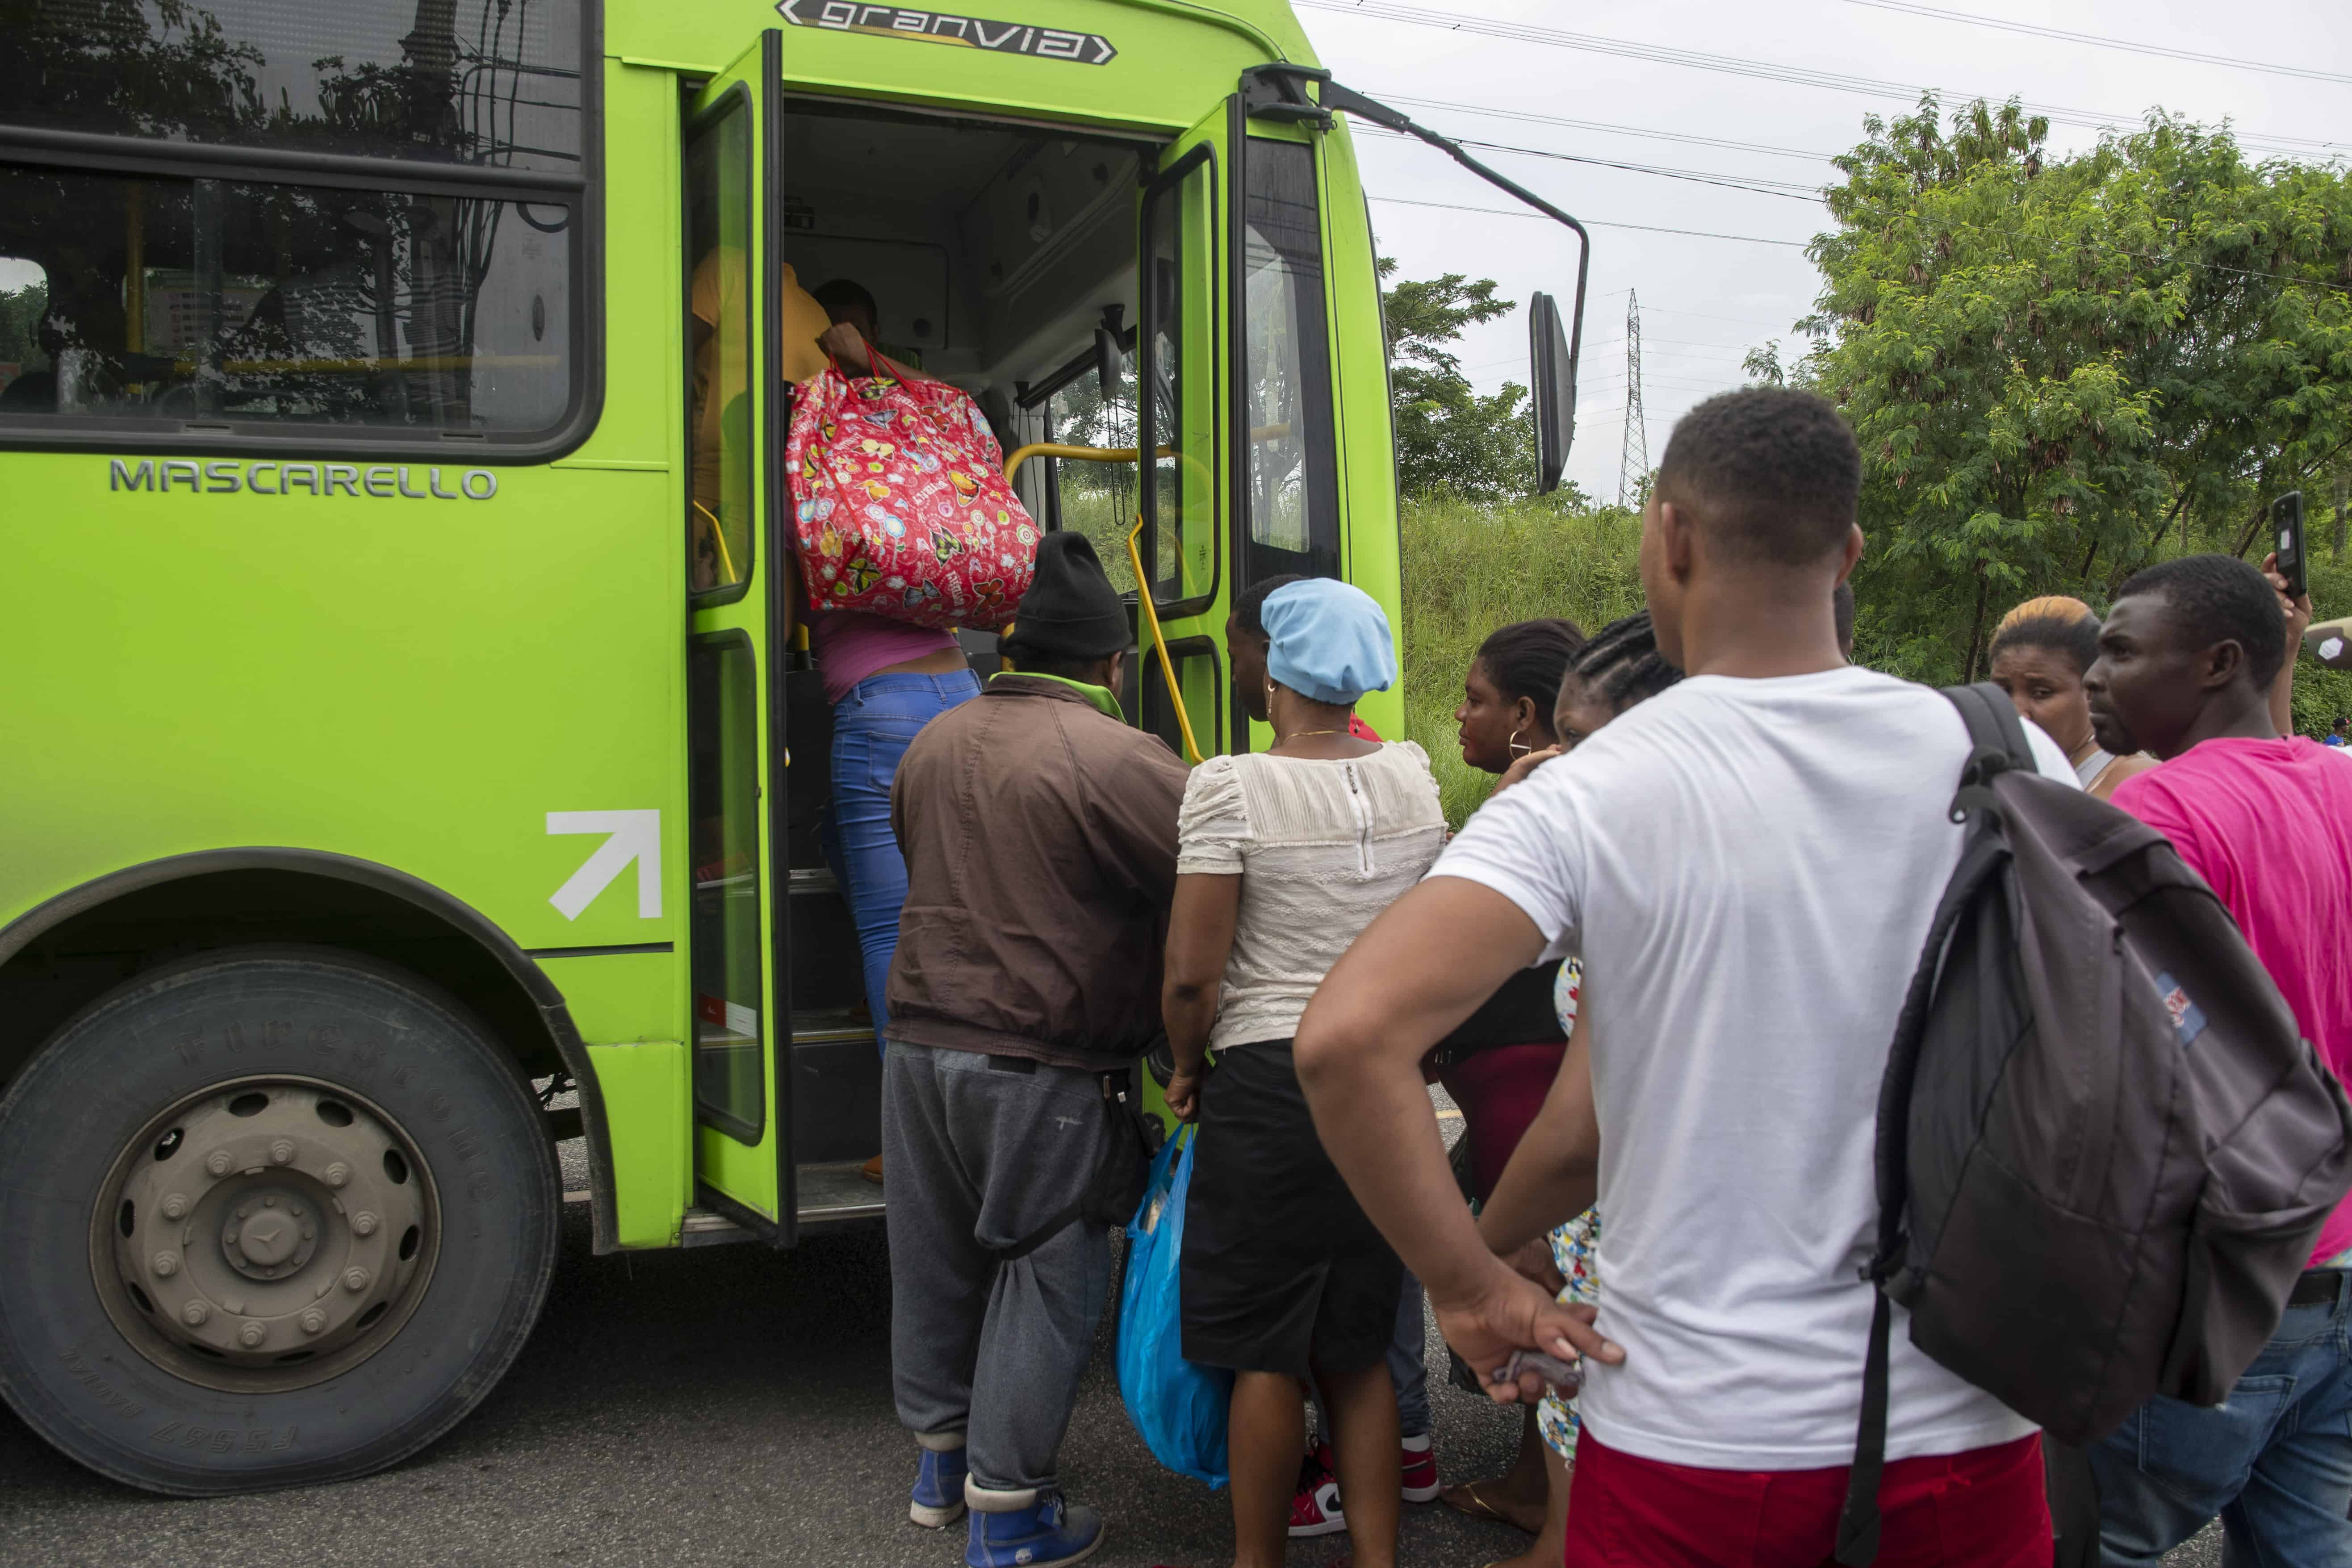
[
  {"x": 28, "y": 382},
  {"x": 1290, "y": 485},
  {"x": 1095, "y": 499},
  {"x": 719, "y": 430}
]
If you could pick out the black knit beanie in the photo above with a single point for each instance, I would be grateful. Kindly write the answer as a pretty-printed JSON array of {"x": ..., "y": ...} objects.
[{"x": 1071, "y": 611}]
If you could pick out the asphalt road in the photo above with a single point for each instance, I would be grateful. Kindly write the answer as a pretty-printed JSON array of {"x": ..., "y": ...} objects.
[{"x": 725, "y": 1405}]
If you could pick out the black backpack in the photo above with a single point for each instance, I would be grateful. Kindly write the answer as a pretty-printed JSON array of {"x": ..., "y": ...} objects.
[{"x": 2104, "y": 1151}]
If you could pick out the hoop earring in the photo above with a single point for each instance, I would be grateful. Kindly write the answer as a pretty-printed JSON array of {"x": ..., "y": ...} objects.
[{"x": 1516, "y": 748}]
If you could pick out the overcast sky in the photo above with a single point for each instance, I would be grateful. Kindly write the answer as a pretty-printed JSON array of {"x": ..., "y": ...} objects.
[{"x": 1705, "y": 301}]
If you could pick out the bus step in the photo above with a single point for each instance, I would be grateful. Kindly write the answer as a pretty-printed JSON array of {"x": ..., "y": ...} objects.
[
  {"x": 817, "y": 1028},
  {"x": 830, "y": 1194},
  {"x": 708, "y": 1227}
]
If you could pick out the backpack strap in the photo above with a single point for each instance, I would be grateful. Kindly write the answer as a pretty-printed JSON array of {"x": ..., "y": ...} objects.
[{"x": 1997, "y": 742}]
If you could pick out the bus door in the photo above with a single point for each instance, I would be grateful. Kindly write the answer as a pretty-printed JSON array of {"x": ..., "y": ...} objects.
[
  {"x": 1286, "y": 497},
  {"x": 1183, "y": 221},
  {"x": 737, "y": 629}
]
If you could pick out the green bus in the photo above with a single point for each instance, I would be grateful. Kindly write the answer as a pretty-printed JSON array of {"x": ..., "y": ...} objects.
[{"x": 412, "y": 757}]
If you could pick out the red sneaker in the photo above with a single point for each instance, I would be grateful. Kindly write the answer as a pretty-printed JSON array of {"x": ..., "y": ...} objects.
[
  {"x": 1315, "y": 1506},
  {"x": 1420, "y": 1469}
]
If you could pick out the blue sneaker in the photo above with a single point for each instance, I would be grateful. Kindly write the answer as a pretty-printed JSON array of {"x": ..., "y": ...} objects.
[
  {"x": 1047, "y": 1532},
  {"x": 939, "y": 1489}
]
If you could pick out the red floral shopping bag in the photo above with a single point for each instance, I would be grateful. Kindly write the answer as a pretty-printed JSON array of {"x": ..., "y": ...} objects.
[{"x": 900, "y": 504}]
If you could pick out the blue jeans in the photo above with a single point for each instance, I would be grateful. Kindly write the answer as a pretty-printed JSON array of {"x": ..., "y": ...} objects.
[
  {"x": 872, "y": 726},
  {"x": 2276, "y": 1461}
]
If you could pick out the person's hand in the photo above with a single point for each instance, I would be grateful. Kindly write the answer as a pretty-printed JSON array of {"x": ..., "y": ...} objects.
[
  {"x": 2296, "y": 608},
  {"x": 1508, "y": 1313},
  {"x": 1518, "y": 771},
  {"x": 844, "y": 343},
  {"x": 1534, "y": 1262},
  {"x": 1184, "y": 1093}
]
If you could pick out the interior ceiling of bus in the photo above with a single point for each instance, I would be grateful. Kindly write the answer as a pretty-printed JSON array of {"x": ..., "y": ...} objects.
[{"x": 991, "y": 249}]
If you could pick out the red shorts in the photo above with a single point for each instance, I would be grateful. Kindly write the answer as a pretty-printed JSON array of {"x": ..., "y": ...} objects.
[{"x": 1983, "y": 1509}]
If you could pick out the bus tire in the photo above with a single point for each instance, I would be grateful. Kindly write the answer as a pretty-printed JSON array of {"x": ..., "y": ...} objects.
[{"x": 270, "y": 1216}]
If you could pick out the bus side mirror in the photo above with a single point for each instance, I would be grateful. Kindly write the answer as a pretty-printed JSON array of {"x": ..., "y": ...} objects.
[{"x": 1553, "y": 374}]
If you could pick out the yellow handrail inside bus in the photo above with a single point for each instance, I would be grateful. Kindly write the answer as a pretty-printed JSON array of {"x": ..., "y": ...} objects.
[
  {"x": 718, "y": 537},
  {"x": 1076, "y": 453},
  {"x": 1135, "y": 556},
  {"x": 1159, "y": 641}
]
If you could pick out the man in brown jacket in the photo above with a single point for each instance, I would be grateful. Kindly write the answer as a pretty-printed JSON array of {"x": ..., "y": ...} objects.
[{"x": 1040, "y": 835}]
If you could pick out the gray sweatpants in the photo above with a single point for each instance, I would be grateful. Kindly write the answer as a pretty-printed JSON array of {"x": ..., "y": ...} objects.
[{"x": 978, "y": 1151}]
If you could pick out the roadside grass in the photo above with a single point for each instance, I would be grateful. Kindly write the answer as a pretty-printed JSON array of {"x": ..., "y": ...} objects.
[{"x": 1469, "y": 569}]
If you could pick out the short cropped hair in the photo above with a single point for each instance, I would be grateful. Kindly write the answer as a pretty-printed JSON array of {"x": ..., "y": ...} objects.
[
  {"x": 1771, "y": 474},
  {"x": 1249, "y": 604},
  {"x": 2063, "y": 625},
  {"x": 842, "y": 293},
  {"x": 2217, "y": 599}
]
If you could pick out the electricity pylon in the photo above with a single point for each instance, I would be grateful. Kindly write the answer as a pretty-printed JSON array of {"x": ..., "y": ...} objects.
[{"x": 1634, "y": 461}]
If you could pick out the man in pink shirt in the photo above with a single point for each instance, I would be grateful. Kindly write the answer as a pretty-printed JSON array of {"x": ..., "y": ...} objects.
[{"x": 2188, "y": 660}]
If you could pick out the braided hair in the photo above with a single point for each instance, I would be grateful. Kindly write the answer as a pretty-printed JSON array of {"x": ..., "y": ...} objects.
[
  {"x": 1528, "y": 659},
  {"x": 1621, "y": 665}
]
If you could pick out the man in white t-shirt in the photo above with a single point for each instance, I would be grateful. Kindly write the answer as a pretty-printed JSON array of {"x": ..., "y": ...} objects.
[{"x": 1749, "y": 864}]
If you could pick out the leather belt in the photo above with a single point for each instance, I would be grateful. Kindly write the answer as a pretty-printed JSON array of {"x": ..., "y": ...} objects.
[{"x": 2316, "y": 1286}]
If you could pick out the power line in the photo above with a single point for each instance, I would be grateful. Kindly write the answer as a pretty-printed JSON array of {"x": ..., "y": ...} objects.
[
  {"x": 1796, "y": 76},
  {"x": 1789, "y": 189},
  {"x": 1604, "y": 127},
  {"x": 2163, "y": 51},
  {"x": 1590, "y": 222},
  {"x": 1702, "y": 315}
]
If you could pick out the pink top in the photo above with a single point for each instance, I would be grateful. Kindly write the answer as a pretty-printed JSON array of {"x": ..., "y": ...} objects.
[
  {"x": 851, "y": 644},
  {"x": 2268, "y": 824}
]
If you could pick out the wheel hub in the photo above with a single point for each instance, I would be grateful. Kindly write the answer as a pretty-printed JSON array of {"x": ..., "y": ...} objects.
[
  {"x": 271, "y": 1238},
  {"x": 270, "y": 1233}
]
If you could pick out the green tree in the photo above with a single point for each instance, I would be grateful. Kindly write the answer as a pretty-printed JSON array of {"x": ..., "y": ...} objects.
[
  {"x": 2061, "y": 368},
  {"x": 1450, "y": 439},
  {"x": 20, "y": 318}
]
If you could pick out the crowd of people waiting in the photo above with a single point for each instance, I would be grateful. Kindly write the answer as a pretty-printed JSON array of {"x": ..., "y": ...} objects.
[{"x": 1657, "y": 971}]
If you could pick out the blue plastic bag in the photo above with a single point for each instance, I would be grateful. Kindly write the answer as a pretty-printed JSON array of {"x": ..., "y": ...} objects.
[{"x": 1179, "y": 1408}]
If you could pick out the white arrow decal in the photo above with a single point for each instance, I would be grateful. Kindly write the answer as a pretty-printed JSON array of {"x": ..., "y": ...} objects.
[{"x": 636, "y": 836}]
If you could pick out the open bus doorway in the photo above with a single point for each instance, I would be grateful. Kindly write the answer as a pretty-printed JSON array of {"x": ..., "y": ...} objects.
[{"x": 992, "y": 254}]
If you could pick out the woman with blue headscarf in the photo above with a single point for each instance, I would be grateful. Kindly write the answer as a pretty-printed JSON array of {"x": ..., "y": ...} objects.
[{"x": 1283, "y": 858}]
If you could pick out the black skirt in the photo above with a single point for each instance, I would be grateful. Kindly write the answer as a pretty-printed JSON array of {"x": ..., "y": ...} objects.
[{"x": 1282, "y": 1271}]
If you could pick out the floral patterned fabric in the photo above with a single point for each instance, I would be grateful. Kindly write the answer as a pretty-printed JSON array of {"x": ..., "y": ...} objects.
[
  {"x": 901, "y": 505},
  {"x": 1575, "y": 1247}
]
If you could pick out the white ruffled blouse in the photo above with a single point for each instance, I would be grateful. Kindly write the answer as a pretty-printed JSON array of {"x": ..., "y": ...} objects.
[{"x": 1322, "y": 847}]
